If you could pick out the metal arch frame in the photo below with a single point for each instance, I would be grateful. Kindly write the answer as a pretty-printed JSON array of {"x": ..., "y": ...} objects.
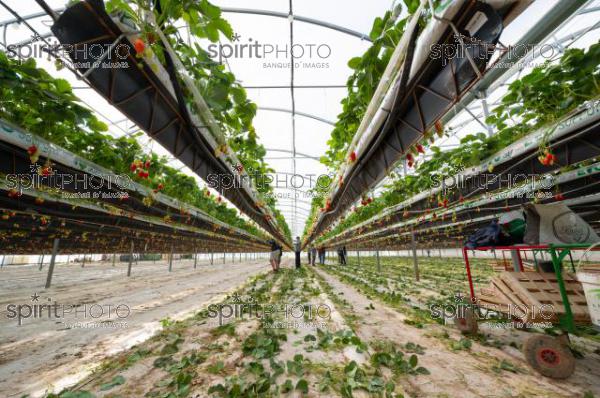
[
  {"x": 300, "y": 18},
  {"x": 288, "y": 151},
  {"x": 308, "y": 115},
  {"x": 233, "y": 10}
]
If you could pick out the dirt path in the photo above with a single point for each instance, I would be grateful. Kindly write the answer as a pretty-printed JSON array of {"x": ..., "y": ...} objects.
[
  {"x": 465, "y": 373},
  {"x": 104, "y": 313}
]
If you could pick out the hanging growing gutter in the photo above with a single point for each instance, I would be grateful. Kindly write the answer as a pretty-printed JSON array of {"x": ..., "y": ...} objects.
[
  {"x": 20, "y": 138},
  {"x": 148, "y": 99},
  {"x": 547, "y": 182},
  {"x": 393, "y": 124},
  {"x": 585, "y": 119},
  {"x": 106, "y": 213}
]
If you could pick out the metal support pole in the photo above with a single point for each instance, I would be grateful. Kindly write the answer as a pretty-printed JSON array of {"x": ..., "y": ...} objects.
[
  {"x": 83, "y": 262},
  {"x": 486, "y": 112},
  {"x": 114, "y": 259},
  {"x": 515, "y": 260},
  {"x": 211, "y": 258},
  {"x": 195, "y": 259},
  {"x": 42, "y": 261},
  {"x": 171, "y": 260},
  {"x": 378, "y": 262},
  {"x": 358, "y": 256},
  {"x": 414, "y": 250},
  {"x": 52, "y": 262},
  {"x": 130, "y": 260},
  {"x": 223, "y": 257}
]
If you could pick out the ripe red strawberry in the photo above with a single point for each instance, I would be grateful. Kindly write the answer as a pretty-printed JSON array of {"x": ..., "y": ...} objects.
[
  {"x": 32, "y": 150},
  {"x": 559, "y": 196},
  {"x": 147, "y": 164},
  {"x": 160, "y": 186},
  {"x": 409, "y": 157},
  {"x": 139, "y": 46},
  {"x": 411, "y": 163},
  {"x": 13, "y": 193},
  {"x": 133, "y": 167},
  {"x": 143, "y": 174},
  {"x": 219, "y": 199},
  {"x": 352, "y": 157},
  {"x": 420, "y": 148},
  {"x": 328, "y": 205}
]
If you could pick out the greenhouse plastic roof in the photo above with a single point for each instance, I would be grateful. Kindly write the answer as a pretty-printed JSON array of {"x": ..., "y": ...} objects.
[{"x": 318, "y": 80}]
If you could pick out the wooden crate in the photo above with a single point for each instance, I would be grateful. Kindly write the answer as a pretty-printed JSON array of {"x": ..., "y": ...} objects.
[{"x": 540, "y": 288}]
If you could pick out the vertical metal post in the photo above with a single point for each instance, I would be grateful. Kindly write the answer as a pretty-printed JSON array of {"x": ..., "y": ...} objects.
[
  {"x": 486, "y": 112},
  {"x": 42, "y": 261},
  {"x": 240, "y": 257},
  {"x": 378, "y": 262},
  {"x": 515, "y": 260},
  {"x": 414, "y": 250},
  {"x": 52, "y": 262},
  {"x": 195, "y": 259},
  {"x": 211, "y": 258},
  {"x": 171, "y": 259},
  {"x": 223, "y": 257},
  {"x": 358, "y": 256},
  {"x": 114, "y": 259},
  {"x": 130, "y": 260},
  {"x": 3, "y": 258},
  {"x": 83, "y": 262}
]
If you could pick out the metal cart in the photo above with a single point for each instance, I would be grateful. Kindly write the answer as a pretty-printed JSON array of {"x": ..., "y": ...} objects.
[{"x": 548, "y": 355}]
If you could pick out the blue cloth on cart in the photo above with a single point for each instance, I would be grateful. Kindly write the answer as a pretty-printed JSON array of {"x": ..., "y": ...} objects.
[{"x": 490, "y": 235}]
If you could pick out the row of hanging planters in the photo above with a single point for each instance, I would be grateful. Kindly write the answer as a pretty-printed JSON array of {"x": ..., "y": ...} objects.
[
  {"x": 203, "y": 116},
  {"x": 541, "y": 98},
  {"x": 47, "y": 107},
  {"x": 226, "y": 98},
  {"x": 367, "y": 71}
]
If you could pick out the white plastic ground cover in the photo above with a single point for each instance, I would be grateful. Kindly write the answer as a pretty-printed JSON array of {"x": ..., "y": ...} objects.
[
  {"x": 18, "y": 137},
  {"x": 546, "y": 182},
  {"x": 383, "y": 98},
  {"x": 213, "y": 133},
  {"x": 588, "y": 113}
]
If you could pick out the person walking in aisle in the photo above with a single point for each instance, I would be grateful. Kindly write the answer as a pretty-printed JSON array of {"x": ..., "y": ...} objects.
[
  {"x": 321, "y": 255},
  {"x": 275, "y": 257},
  {"x": 297, "y": 251},
  {"x": 313, "y": 255},
  {"x": 344, "y": 255}
]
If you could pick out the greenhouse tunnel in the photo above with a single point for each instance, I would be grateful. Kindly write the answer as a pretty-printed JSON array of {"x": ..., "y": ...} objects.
[{"x": 393, "y": 198}]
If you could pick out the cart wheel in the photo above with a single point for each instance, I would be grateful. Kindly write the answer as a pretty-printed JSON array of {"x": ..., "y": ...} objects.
[
  {"x": 549, "y": 356},
  {"x": 466, "y": 321}
]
